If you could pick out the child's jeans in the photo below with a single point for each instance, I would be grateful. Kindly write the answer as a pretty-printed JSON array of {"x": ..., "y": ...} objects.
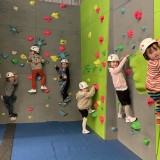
[{"x": 9, "y": 103}]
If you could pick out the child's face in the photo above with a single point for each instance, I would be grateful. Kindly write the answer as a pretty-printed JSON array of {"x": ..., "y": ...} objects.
[
  {"x": 85, "y": 89},
  {"x": 64, "y": 65},
  {"x": 11, "y": 79},
  {"x": 114, "y": 64},
  {"x": 153, "y": 52},
  {"x": 31, "y": 52}
]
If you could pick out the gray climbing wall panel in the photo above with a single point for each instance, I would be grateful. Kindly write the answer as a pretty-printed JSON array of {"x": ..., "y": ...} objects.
[
  {"x": 29, "y": 20},
  {"x": 121, "y": 24}
]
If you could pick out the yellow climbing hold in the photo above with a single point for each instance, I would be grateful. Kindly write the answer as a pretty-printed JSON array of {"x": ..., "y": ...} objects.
[
  {"x": 55, "y": 15},
  {"x": 88, "y": 79},
  {"x": 55, "y": 79},
  {"x": 47, "y": 105},
  {"x": 29, "y": 117},
  {"x": 54, "y": 58},
  {"x": 63, "y": 41},
  {"x": 97, "y": 62},
  {"x": 95, "y": 7},
  {"x": 99, "y": 103},
  {"x": 89, "y": 34},
  {"x": 23, "y": 56},
  {"x": 3, "y": 114},
  {"x": 32, "y": 3},
  {"x": 70, "y": 94}
]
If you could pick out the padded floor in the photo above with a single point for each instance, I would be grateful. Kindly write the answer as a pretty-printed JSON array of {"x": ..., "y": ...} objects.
[
  {"x": 64, "y": 141},
  {"x": 2, "y": 130}
]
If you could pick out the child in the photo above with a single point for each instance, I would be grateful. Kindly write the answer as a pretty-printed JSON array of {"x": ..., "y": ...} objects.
[
  {"x": 64, "y": 80},
  {"x": 8, "y": 97},
  {"x": 115, "y": 69},
  {"x": 151, "y": 52},
  {"x": 36, "y": 65},
  {"x": 84, "y": 103}
]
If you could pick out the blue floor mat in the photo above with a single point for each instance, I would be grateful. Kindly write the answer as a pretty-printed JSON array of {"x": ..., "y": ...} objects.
[
  {"x": 64, "y": 141},
  {"x": 2, "y": 130}
]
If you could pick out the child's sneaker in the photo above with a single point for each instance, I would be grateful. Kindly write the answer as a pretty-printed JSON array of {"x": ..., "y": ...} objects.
[
  {"x": 85, "y": 131},
  {"x": 120, "y": 115},
  {"x": 44, "y": 87},
  {"x": 13, "y": 117},
  {"x": 32, "y": 91},
  {"x": 2, "y": 98},
  {"x": 67, "y": 99},
  {"x": 91, "y": 111},
  {"x": 130, "y": 119}
]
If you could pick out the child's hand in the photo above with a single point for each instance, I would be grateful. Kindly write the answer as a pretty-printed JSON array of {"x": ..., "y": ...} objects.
[
  {"x": 15, "y": 76},
  {"x": 42, "y": 60},
  {"x": 127, "y": 55}
]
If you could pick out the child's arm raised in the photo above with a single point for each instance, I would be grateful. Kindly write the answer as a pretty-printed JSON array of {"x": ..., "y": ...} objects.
[{"x": 91, "y": 92}]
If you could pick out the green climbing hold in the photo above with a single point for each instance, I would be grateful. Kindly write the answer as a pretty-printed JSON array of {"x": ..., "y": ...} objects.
[
  {"x": 136, "y": 126},
  {"x": 14, "y": 60},
  {"x": 146, "y": 141},
  {"x": 102, "y": 108},
  {"x": 104, "y": 53},
  {"x": 95, "y": 114},
  {"x": 120, "y": 47},
  {"x": 87, "y": 68}
]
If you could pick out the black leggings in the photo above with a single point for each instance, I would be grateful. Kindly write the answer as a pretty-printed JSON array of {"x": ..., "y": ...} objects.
[
  {"x": 64, "y": 90},
  {"x": 84, "y": 112}
]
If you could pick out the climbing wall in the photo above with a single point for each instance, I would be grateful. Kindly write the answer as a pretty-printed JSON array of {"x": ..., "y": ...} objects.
[
  {"x": 55, "y": 28},
  {"x": 157, "y": 35},
  {"x": 132, "y": 22},
  {"x": 94, "y": 47}
]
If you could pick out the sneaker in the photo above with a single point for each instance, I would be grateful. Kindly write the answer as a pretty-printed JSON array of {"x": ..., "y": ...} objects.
[
  {"x": 130, "y": 119},
  {"x": 67, "y": 99},
  {"x": 2, "y": 98},
  {"x": 62, "y": 103},
  {"x": 32, "y": 91},
  {"x": 85, "y": 131},
  {"x": 120, "y": 115},
  {"x": 91, "y": 111},
  {"x": 43, "y": 87},
  {"x": 13, "y": 118}
]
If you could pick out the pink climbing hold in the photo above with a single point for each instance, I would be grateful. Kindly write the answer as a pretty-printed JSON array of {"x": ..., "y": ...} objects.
[
  {"x": 101, "y": 39},
  {"x": 101, "y": 119},
  {"x": 97, "y": 54},
  {"x": 30, "y": 38},
  {"x": 96, "y": 86},
  {"x": 101, "y": 19},
  {"x": 130, "y": 33},
  {"x": 150, "y": 101},
  {"x": 61, "y": 48},
  {"x": 47, "y": 32},
  {"x": 62, "y": 5},
  {"x": 48, "y": 19},
  {"x": 95, "y": 105},
  {"x": 29, "y": 77},
  {"x": 102, "y": 99},
  {"x": 138, "y": 15},
  {"x": 46, "y": 91},
  {"x": 128, "y": 71},
  {"x": 30, "y": 109},
  {"x": 98, "y": 9},
  {"x": 47, "y": 54},
  {"x": 104, "y": 64}
]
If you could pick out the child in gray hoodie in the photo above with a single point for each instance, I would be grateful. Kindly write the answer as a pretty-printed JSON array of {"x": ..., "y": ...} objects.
[{"x": 84, "y": 103}]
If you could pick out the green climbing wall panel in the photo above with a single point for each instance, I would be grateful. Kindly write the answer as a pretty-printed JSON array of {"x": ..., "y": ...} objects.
[{"x": 93, "y": 68}]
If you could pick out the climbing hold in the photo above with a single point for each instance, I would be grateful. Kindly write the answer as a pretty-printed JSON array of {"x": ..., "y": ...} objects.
[
  {"x": 102, "y": 108},
  {"x": 55, "y": 15},
  {"x": 30, "y": 109},
  {"x": 47, "y": 54},
  {"x": 133, "y": 46},
  {"x": 123, "y": 35},
  {"x": 102, "y": 99},
  {"x": 54, "y": 58},
  {"x": 97, "y": 62},
  {"x": 101, "y": 119},
  {"x": 15, "y": 8},
  {"x": 104, "y": 53},
  {"x": 101, "y": 39},
  {"x": 2, "y": 10},
  {"x": 3, "y": 114},
  {"x": 46, "y": 62},
  {"x": 38, "y": 78},
  {"x": 95, "y": 105},
  {"x": 48, "y": 19},
  {"x": 29, "y": 77},
  {"x": 62, "y": 55},
  {"x": 144, "y": 28},
  {"x": 14, "y": 60},
  {"x": 47, "y": 105},
  {"x": 88, "y": 79},
  {"x": 30, "y": 38},
  {"x": 94, "y": 114},
  {"x": 132, "y": 132},
  {"x": 62, "y": 5},
  {"x": 63, "y": 41},
  {"x": 115, "y": 49},
  {"x": 146, "y": 141},
  {"x": 104, "y": 64},
  {"x": 46, "y": 91},
  {"x": 138, "y": 15},
  {"x": 114, "y": 129},
  {"x": 89, "y": 34},
  {"x": 128, "y": 71},
  {"x": 14, "y": 52},
  {"x": 120, "y": 47},
  {"x": 122, "y": 10},
  {"x": 99, "y": 103},
  {"x": 32, "y": 2},
  {"x": 47, "y": 32},
  {"x": 22, "y": 64},
  {"x": 13, "y": 29},
  {"x": 97, "y": 54},
  {"x": 96, "y": 86},
  {"x": 98, "y": 9},
  {"x": 47, "y": 97},
  {"x": 4, "y": 55},
  {"x": 87, "y": 67},
  {"x": 29, "y": 117},
  {"x": 136, "y": 126},
  {"x": 62, "y": 113},
  {"x": 55, "y": 79},
  {"x": 150, "y": 101},
  {"x": 101, "y": 19},
  {"x": 40, "y": 42},
  {"x": 23, "y": 56},
  {"x": 130, "y": 33},
  {"x": 61, "y": 48}
]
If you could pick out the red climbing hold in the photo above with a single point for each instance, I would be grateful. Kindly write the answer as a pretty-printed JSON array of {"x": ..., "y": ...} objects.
[
  {"x": 96, "y": 86},
  {"x": 61, "y": 48},
  {"x": 104, "y": 64},
  {"x": 130, "y": 33},
  {"x": 98, "y": 9},
  {"x": 101, "y": 39},
  {"x": 128, "y": 71},
  {"x": 95, "y": 105},
  {"x": 102, "y": 99},
  {"x": 101, "y": 118},
  {"x": 150, "y": 101},
  {"x": 62, "y": 5},
  {"x": 97, "y": 54},
  {"x": 47, "y": 32},
  {"x": 101, "y": 19},
  {"x": 138, "y": 15},
  {"x": 30, "y": 38},
  {"x": 48, "y": 19}
]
